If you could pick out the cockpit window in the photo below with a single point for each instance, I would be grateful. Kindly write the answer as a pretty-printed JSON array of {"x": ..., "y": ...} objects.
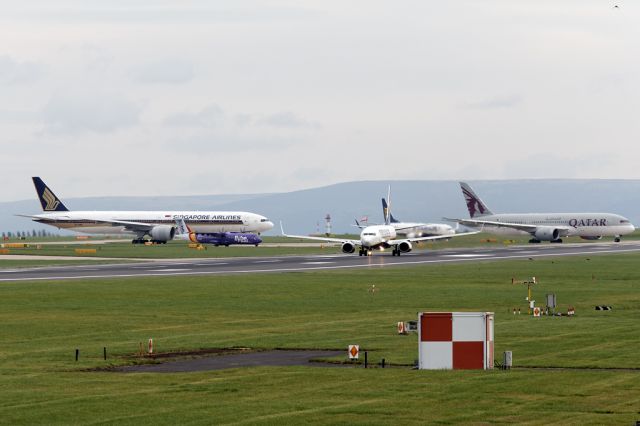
[
  {"x": 624, "y": 221},
  {"x": 264, "y": 220}
]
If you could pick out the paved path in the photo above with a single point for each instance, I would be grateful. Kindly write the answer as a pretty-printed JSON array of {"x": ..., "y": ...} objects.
[
  {"x": 249, "y": 359},
  {"x": 250, "y": 265}
]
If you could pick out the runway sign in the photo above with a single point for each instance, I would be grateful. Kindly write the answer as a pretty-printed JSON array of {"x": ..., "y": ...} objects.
[
  {"x": 455, "y": 340},
  {"x": 354, "y": 351}
]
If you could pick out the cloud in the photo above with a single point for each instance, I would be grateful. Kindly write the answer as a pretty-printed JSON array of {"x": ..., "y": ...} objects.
[
  {"x": 495, "y": 103},
  {"x": 207, "y": 117},
  {"x": 73, "y": 113},
  {"x": 214, "y": 116},
  {"x": 212, "y": 129},
  {"x": 171, "y": 71},
  {"x": 13, "y": 72},
  {"x": 286, "y": 119}
]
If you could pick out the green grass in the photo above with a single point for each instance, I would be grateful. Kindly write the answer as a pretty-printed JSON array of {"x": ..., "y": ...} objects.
[{"x": 41, "y": 324}]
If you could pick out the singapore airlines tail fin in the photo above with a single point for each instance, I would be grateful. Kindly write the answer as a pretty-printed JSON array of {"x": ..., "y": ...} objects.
[
  {"x": 474, "y": 204},
  {"x": 49, "y": 201},
  {"x": 386, "y": 211}
]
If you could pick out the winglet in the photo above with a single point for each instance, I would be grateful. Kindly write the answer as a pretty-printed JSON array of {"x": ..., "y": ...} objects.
[
  {"x": 48, "y": 200},
  {"x": 282, "y": 229}
]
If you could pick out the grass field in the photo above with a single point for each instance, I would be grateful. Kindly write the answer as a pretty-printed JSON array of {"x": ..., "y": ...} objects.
[{"x": 41, "y": 324}]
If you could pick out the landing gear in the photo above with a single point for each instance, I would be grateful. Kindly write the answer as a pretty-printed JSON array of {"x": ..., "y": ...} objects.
[
  {"x": 534, "y": 241},
  {"x": 558, "y": 241},
  {"x": 616, "y": 239},
  {"x": 395, "y": 252},
  {"x": 364, "y": 252}
]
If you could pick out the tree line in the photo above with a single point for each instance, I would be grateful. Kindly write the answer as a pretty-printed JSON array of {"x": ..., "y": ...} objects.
[{"x": 26, "y": 234}]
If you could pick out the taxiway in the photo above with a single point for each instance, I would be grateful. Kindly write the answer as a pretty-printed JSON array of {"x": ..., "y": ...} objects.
[{"x": 250, "y": 265}]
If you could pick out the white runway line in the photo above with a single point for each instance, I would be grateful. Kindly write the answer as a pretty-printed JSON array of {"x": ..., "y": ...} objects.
[
  {"x": 315, "y": 263},
  {"x": 468, "y": 255}
]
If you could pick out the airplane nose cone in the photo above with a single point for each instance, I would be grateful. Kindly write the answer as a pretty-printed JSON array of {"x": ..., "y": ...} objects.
[{"x": 268, "y": 225}]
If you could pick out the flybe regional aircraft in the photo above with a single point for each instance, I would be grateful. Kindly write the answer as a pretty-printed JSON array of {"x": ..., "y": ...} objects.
[
  {"x": 216, "y": 238},
  {"x": 543, "y": 226},
  {"x": 158, "y": 225}
]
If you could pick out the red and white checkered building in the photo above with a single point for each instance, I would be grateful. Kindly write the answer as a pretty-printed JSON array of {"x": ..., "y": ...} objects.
[{"x": 455, "y": 340}]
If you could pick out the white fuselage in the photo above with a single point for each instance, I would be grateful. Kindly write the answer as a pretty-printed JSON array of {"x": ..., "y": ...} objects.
[
  {"x": 377, "y": 235},
  {"x": 590, "y": 225},
  {"x": 93, "y": 222},
  {"x": 413, "y": 229}
]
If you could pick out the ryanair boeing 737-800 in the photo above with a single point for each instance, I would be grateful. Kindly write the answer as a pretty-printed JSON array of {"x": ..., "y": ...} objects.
[{"x": 160, "y": 226}]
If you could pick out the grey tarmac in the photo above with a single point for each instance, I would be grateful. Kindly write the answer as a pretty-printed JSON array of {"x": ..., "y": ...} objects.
[{"x": 252, "y": 265}]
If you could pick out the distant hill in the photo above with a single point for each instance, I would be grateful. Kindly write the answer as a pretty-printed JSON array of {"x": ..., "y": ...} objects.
[{"x": 304, "y": 211}]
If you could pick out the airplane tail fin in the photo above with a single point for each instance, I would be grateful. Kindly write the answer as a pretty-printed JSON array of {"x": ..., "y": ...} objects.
[
  {"x": 386, "y": 211},
  {"x": 48, "y": 200},
  {"x": 182, "y": 226},
  {"x": 474, "y": 204},
  {"x": 183, "y": 229},
  {"x": 386, "y": 208}
]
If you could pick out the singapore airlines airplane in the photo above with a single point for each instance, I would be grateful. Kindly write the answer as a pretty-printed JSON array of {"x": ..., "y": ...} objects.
[
  {"x": 158, "y": 225},
  {"x": 543, "y": 226},
  {"x": 416, "y": 229},
  {"x": 216, "y": 238}
]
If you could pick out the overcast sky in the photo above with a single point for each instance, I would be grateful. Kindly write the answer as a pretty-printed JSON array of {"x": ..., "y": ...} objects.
[{"x": 201, "y": 97}]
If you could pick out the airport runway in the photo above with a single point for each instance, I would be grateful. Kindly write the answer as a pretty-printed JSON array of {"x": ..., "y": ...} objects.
[{"x": 248, "y": 265}]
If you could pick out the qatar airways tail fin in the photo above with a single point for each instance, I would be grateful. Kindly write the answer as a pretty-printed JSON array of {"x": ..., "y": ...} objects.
[
  {"x": 474, "y": 204},
  {"x": 49, "y": 201}
]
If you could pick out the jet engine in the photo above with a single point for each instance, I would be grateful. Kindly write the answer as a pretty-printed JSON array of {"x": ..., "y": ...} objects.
[
  {"x": 405, "y": 247},
  {"x": 162, "y": 233},
  {"x": 348, "y": 248},
  {"x": 546, "y": 233}
]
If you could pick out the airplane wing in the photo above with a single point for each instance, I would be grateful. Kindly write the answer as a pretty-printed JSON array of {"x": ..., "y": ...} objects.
[
  {"x": 431, "y": 238},
  {"x": 518, "y": 226},
  {"x": 131, "y": 226},
  {"x": 325, "y": 239}
]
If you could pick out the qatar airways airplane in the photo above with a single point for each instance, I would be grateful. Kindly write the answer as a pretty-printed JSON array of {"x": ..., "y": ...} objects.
[
  {"x": 158, "y": 225},
  {"x": 543, "y": 226}
]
